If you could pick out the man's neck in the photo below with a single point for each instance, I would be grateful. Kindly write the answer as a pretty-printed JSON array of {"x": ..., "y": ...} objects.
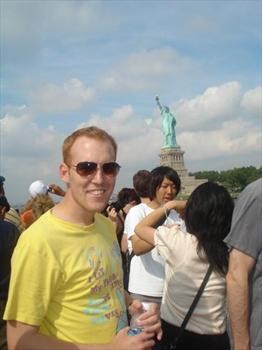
[
  {"x": 65, "y": 211},
  {"x": 150, "y": 203},
  {"x": 145, "y": 200}
]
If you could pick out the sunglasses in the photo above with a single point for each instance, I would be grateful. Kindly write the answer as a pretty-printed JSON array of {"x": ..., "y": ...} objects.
[{"x": 89, "y": 168}]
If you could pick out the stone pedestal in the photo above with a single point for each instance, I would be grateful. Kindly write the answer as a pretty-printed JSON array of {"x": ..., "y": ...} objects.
[{"x": 174, "y": 158}]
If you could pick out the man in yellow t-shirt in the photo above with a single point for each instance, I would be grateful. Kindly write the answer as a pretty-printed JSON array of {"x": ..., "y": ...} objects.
[{"x": 66, "y": 289}]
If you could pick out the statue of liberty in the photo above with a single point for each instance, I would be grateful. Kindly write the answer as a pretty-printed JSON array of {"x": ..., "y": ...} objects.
[{"x": 168, "y": 125}]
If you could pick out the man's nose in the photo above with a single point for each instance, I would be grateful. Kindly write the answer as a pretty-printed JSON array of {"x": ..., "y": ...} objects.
[{"x": 98, "y": 177}]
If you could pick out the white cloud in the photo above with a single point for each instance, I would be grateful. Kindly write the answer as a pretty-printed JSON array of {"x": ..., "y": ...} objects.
[
  {"x": 252, "y": 102},
  {"x": 215, "y": 124},
  {"x": 71, "y": 96},
  {"x": 27, "y": 153},
  {"x": 217, "y": 103},
  {"x": 233, "y": 138},
  {"x": 123, "y": 123},
  {"x": 24, "y": 139}
]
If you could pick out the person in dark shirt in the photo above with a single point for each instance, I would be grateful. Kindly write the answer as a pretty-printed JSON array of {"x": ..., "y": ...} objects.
[{"x": 8, "y": 238}]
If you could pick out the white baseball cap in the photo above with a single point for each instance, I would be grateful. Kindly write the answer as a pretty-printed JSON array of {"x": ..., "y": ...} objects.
[{"x": 38, "y": 187}]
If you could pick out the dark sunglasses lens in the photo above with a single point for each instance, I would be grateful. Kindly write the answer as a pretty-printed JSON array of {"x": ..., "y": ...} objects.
[
  {"x": 111, "y": 169},
  {"x": 86, "y": 168}
]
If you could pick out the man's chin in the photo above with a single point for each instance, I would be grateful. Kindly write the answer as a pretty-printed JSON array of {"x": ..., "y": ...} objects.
[
  {"x": 98, "y": 207},
  {"x": 97, "y": 204}
]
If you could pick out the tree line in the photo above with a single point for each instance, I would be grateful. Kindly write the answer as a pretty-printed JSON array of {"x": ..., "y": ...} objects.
[{"x": 235, "y": 180}]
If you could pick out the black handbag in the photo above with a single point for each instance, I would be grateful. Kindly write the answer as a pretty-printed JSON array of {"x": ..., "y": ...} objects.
[{"x": 173, "y": 345}]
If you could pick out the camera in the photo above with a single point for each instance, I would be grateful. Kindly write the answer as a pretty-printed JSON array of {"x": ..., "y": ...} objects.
[{"x": 118, "y": 205}]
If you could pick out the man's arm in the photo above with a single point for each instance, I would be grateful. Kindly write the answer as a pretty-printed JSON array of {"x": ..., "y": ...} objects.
[
  {"x": 240, "y": 266},
  {"x": 140, "y": 246},
  {"x": 22, "y": 336},
  {"x": 26, "y": 337},
  {"x": 124, "y": 243},
  {"x": 55, "y": 189}
]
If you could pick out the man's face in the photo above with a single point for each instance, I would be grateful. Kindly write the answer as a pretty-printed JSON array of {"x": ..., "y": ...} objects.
[
  {"x": 92, "y": 192},
  {"x": 166, "y": 191}
]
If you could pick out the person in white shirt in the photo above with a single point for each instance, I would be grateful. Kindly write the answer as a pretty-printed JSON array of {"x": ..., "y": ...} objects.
[
  {"x": 146, "y": 278},
  {"x": 141, "y": 181}
]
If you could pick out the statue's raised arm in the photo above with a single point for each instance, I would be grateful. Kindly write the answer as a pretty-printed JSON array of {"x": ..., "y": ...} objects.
[
  {"x": 168, "y": 125},
  {"x": 159, "y": 104}
]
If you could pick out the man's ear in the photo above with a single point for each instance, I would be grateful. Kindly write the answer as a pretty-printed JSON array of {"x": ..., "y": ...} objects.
[{"x": 64, "y": 172}]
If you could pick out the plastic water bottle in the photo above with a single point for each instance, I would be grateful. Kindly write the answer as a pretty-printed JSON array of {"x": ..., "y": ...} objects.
[{"x": 134, "y": 328}]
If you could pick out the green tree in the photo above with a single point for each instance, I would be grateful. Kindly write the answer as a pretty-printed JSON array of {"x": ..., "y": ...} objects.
[{"x": 235, "y": 180}]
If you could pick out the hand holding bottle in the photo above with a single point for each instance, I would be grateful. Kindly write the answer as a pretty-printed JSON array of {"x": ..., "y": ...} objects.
[
  {"x": 145, "y": 317},
  {"x": 135, "y": 328}
]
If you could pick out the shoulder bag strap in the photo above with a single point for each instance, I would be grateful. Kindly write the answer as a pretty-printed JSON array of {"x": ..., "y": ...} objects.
[{"x": 193, "y": 305}]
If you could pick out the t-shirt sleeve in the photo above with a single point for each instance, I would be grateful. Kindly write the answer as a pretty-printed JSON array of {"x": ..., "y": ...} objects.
[
  {"x": 34, "y": 280},
  {"x": 246, "y": 228},
  {"x": 165, "y": 238},
  {"x": 134, "y": 216}
]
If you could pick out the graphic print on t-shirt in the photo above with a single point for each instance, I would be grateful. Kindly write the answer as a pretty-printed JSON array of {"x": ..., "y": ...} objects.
[{"x": 106, "y": 288}]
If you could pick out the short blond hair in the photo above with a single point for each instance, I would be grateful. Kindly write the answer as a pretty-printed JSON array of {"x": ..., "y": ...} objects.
[{"x": 92, "y": 132}]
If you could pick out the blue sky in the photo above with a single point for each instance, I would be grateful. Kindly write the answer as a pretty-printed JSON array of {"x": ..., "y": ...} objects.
[{"x": 67, "y": 64}]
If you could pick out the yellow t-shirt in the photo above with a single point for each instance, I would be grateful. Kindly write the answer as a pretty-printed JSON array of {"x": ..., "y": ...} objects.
[{"x": 67, "y": 279}]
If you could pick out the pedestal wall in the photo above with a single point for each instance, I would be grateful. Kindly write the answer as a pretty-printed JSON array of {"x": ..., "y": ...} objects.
[{"x": 174, "y": 158}]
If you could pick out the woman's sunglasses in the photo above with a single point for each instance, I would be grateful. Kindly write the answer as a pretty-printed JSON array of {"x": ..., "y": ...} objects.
[{"x": 89, "y": 168}]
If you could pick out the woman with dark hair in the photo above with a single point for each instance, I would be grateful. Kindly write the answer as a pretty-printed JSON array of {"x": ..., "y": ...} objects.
[
  {"x": 188, "y": 255},
  {"x": 208, "y": 216}
]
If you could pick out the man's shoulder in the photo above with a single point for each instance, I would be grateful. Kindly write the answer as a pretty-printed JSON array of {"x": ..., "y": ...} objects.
[
  {"x": 253, "y": 190},
  {"x": 245, "y": 229},
  {"x": 256, "y": 184},
  {"x": 138, "y": 209},
  {"x": 39, "y": 226},
  {"x": 99, "y": 217},
  {"x": 250, "y": 197}
]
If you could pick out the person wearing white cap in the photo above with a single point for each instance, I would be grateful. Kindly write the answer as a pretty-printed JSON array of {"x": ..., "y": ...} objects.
[
  {"x": 39, "y": 193},
  {"x": 38, "y": 187}
]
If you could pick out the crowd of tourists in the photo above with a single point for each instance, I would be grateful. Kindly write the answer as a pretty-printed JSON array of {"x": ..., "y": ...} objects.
[{"x": 74, "y": 272}]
